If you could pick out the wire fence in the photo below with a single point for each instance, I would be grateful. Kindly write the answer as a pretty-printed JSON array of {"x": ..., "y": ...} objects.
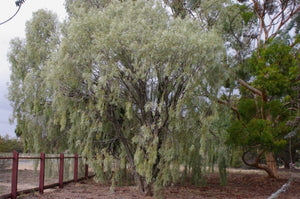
[{"x": 26, "y": 173}]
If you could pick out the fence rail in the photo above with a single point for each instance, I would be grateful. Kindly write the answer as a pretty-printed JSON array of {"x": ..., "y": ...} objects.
[{"x": 14, "y": 177}]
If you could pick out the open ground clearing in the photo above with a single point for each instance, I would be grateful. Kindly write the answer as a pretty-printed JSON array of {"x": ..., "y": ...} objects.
[{"x": 241, "y": 184}]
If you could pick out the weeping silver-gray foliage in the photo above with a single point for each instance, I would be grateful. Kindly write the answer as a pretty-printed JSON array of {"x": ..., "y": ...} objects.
[{"x": 133, "y": 89}]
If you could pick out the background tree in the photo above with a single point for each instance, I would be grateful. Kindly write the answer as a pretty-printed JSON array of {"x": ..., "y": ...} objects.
[
  {"x": 30, "y": 99},
  {"x": 249, "y": 28},
  {"x": 7, "y": 145},
  {"x": 262, "y": 110}
]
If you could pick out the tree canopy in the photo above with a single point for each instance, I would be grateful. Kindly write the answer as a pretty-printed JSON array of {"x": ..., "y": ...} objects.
[{"x": 27, "y": 90}]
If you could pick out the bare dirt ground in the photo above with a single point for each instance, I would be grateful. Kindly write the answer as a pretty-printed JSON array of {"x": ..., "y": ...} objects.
[
  {"x": 28, "y": 178},
  {"x": 241, "y": 184}
]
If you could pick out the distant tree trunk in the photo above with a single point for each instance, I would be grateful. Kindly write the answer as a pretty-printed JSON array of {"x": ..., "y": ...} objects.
[
  {"x": 271, "y": 163},
  {"x": 286, "y": 165},
  {"x": 270, "y": 167},
  {"x": 286, "y": 158}
]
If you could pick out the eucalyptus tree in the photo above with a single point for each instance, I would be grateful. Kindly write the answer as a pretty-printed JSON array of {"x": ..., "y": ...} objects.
[
  {"x": 27, "y": 93},
  {"x": 132, "y": 83},
  {"x": 209, "y": 12},
  {"x": 267, "y": 29},
  {"x": 262, "y": 117}
]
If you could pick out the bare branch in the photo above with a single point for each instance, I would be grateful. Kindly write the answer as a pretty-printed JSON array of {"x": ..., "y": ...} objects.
[
  {"x": 256, "y": 164},
  {"x": 254, "y": 90},
  {"x": 231, "y": 107}
]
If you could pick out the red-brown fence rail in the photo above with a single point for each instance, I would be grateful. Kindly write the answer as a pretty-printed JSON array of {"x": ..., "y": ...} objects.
[{"x": 14, "y": 176}]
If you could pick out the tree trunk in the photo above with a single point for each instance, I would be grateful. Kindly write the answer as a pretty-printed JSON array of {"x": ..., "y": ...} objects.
[
  {"x": 286, "y": 164},
  {"x": 147, "y": 189},
  {"x": 270, "y": 167},
  {"x": 143, "y": 186},
  {"x": 271, "y": 163}
]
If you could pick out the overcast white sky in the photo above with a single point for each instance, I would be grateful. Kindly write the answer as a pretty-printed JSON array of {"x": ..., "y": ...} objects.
[{"x": 8, "y": 31}]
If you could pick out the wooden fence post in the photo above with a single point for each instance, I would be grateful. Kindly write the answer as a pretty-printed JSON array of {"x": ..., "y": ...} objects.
[
  {"x": 14, "y": 180},
  {"x": 76, "y": 167},
  {"x": 42, "y": 173},
  {"x": 61, "y": 171}
]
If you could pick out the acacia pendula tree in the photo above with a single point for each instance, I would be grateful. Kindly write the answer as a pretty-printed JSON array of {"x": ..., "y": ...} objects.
[{"x": 124, "y": 79}]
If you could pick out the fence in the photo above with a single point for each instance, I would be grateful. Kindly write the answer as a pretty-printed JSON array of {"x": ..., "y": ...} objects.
[{"x": 15, "y": 169}]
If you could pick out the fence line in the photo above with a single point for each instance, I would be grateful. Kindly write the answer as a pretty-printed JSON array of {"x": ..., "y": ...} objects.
[{"x": 14, "y": 181}]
